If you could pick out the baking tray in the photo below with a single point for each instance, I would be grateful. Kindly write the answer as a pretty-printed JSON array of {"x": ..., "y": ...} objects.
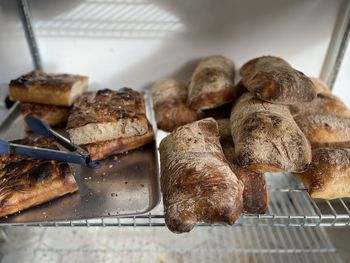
[{"x": 126, "y": 184}]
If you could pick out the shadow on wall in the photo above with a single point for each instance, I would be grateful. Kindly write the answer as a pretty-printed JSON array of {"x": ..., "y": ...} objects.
[{"x": 186, "y": 30}]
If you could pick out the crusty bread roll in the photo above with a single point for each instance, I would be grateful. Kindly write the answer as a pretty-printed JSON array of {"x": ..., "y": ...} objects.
[
  {"x": 320, "y": 128},
  {"x": 48, "y": 88},
  {"x": 255, "y": 193},
  {"x": 273, "y": 79},
  {"x": 212, "y": 83},
  {"x": 196, "y": 180},
  {"x": 328, "y": 176},
  {"x": 266, "y": 137},
  {"x": 324, "y": 103},
  {"x": 170, "y": 105}
]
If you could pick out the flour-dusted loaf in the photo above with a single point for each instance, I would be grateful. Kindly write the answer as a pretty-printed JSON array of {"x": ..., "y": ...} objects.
[
  {"x": 197, "y": 182},
  {"x": 273, "y": 79},
  {"x": 266, "y": 137},
  {"x": 170, "y": 105},
  {"x": 255, "y": 193},
  {"x": 26, "y": 182},
  {"x": 48, "y": 88},
  {"x": 328, "y": 176},
  {"x": 101, "y": 150},
  {"x": 107, "y": 115},
  {"x": 51, "y": 114},
  {"x": 212, "y": 83},
  {"x": 320, "y": 128}
]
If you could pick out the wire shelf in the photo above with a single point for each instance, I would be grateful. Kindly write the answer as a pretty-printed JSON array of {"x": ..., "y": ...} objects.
[{"x": 290, "y": 206}]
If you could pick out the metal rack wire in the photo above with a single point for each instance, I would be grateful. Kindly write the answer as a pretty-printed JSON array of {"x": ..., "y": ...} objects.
[{"x": 290, "y": 206}]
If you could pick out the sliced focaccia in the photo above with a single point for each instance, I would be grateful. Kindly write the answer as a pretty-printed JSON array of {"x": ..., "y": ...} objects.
[
  {"x": 26, "y": 182},
  {"x": 107, "y": 115},
  {"x": 47, "y": 88}
]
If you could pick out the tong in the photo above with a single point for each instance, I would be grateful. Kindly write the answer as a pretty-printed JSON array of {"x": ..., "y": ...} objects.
[{"x": 76, "y": 155}]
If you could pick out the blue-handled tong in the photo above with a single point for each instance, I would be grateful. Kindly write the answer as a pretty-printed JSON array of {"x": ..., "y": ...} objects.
[{"x": 76, "y": 155}]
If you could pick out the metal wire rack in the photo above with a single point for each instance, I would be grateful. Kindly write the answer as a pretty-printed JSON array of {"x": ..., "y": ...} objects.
[{"x": 290, "y": 205}]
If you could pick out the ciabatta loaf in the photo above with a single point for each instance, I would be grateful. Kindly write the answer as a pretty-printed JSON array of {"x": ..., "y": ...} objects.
[
  {"x": 212, "y": 83},
  {"x": 170, "y": 105},
  {"x": 272, "y": 79},
  {"x": 107, "y": 115},
  {"x": 196, "y": 180},
  {"x": 255, "y": 193},
  {"x": 266, "y": 137},
  {"x": 47, "y": 88},
  {"x": 328, "y": 176}
]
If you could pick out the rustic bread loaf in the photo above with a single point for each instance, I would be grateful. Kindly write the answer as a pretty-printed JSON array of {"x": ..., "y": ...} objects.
[
  {"x": 320, "y": 86},
  {"x": 255, "y": 193},
  {"x": 266, "y": 137},
  {"x": 212, "y": 83},
  {"x": 328, "y": 176},
  {"x": 273, "y": 79},
  {"x": 320, "y": 128},
  {"x": 196, "y": 180},
  {"x": 170, "y": 105},
  {"x": 48, "y": 88}
]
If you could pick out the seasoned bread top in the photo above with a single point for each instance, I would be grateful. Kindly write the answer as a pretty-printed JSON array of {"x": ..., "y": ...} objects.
[
  {"x": 39, "y": 79},
  {"x": 19, "y": 173},
  {"x": 106, "y": 106},
  {"x": 273, "y": 79}
]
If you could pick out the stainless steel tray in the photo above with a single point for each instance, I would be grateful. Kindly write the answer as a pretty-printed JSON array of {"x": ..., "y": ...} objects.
[{"x": 125, "y": 185}]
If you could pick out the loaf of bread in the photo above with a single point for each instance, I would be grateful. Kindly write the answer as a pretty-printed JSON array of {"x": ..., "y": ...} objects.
[
  {"x": 48, "y": 88},
  {"x": 107, "y": 115},
  {"x": 266, "y": 137},
  {"x": 255, "y": 193},
  {"x": 323, "y": 104},
  {"x": 197, "y": 182},
  {"x": 320, "y": 128},
  {"x": 272, "y": 79},
  {"x": 328, "y": 176},
  {"x": 170, "y": 105},
  {"x": 212, "y": 83},
  {"x": 53, "y": 115}
]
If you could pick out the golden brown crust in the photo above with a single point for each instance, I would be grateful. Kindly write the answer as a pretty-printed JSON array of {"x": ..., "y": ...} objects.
[
  {"x": 52, "y": 115},
  {"x": 324, "y": 128},
  {"x": 266, "y": 137},
  {"x": 26, "y": 182},
  {"x": 328, "y": 176},
  {"x": 107, "y": 115},
  {"x": 324, "y": 103},
  {"x": 102, "y": 150},
  {"x": 255, "y": 193},
  {"x": 272, "y": 79},
  {"x": 47, "y": 88},
  {"x": 170, "y": 105},
  {"x": 196, "y": 180},
  {"x": 212, "y": 83}
]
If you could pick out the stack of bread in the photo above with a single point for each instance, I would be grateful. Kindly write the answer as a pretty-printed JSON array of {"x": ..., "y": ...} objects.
[
  {"x": 274, "y": 120},
  {"x": 47, "y": 96}
]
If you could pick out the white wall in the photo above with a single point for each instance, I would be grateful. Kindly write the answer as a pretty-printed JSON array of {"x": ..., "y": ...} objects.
[
  {"x": 135, "y": 42},
  {"x": 342, "y": 84}
]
